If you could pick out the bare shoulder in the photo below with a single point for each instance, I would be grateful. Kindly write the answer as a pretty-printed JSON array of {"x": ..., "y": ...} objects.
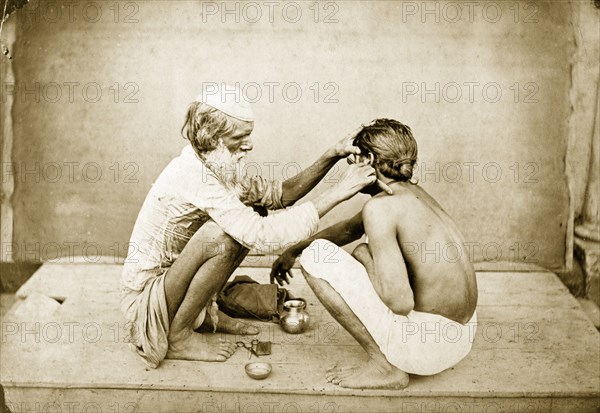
[
  {"x": 375, "y": 207},
  {"x": 383, "y": 203},
  {"x": 382, "y": 209}
]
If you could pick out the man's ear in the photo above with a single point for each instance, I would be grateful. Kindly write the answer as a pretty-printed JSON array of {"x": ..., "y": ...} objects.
[{"x": 369, "y": 159}]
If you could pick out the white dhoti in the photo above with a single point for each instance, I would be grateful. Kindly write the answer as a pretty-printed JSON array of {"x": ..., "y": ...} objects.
[
  {"x": 418, "y": 343},
  {"x": 148, "y": 320}
]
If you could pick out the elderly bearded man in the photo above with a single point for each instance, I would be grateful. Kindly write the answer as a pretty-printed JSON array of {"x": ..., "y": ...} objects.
[{"x": 197, "y": 224}]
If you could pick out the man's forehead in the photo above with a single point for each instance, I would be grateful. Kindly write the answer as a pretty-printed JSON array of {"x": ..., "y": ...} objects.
[{"x": 241, "y": 127}]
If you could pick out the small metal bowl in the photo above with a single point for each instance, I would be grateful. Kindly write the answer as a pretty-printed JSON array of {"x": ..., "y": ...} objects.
[{"x": 258, "y": 370}]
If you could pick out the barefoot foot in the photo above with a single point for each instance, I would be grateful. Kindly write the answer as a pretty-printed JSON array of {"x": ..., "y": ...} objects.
[
  {"x": 341, "y": 367},
  {"x": 230, "y": 325},
  {"x": 195, "y": 347},
  {"x": 371, "y": 376},
  {"x": 339, "y": 371}
]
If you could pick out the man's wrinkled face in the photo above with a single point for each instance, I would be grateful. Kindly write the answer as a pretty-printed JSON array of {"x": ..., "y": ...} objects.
[
  {"x": 227, "y": 159},
  {"x": 238, "y": 140}
]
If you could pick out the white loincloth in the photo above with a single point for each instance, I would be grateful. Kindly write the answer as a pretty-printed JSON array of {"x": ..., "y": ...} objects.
[
  {"x": 148, "y": 320},
  {"x": 418, "y": 343}
]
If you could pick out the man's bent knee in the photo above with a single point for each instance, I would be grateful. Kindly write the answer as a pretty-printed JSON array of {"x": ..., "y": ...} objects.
[
  {"x": 216, "y": 243},
  {"x": 320, "y": 257},
  {"x": 230, "y": 248}
]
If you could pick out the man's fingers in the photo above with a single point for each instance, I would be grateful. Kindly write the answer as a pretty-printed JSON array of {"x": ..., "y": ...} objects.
[
  {"x": 278, "y": 277},
  {"x": 371, "y": 175},
  {"x": 275, "y": 273},
  {"x": 352, "y": 135},
  {"x": 385, "y": 187},
  {"x": 284, "y": 277},
  {"x": 353, "y": 150},
  {"x": 355, "y": 158}
]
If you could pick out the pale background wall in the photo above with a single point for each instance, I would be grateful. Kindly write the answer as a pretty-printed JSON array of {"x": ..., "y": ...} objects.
[{"x": 371, "y": 58}]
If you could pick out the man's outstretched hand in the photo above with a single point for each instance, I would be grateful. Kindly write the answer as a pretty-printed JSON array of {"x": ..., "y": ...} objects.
[
  {"x": 345, "y": 147},
  {"x": 282, "y": 268}
]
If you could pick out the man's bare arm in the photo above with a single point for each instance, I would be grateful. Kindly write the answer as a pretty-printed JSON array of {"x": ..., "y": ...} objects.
[
  {"x": 340, "y": 234},
  {"x": 298, "y": 186},
  {"x": 383, "y": 258}
]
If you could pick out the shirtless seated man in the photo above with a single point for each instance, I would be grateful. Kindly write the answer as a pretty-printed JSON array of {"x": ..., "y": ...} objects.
[{"x": 411, "y": 312}]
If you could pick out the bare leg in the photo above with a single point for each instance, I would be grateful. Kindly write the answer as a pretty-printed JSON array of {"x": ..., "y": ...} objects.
[
  {"x": 226, "y": 324},
  {"x": 229, "y": 325},
  {"x": 200, "y": 271},
  {"x": 377, "y": 372}
]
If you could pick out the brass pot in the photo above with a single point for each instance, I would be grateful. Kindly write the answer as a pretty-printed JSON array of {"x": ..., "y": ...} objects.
[{"x": 294, "y": 319}]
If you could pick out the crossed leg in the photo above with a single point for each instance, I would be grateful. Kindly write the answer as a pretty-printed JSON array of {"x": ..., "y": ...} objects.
[
  {"x": 200, "y": 271},
  {"x": 377, "y": 372}
]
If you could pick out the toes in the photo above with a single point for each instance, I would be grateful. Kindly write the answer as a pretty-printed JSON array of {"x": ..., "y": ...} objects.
[
  {"x": 227, "y": 344},
  {"x": 345, "y": 374},
  {"x": 226, "y": 352},
  {"x": 333, "y": 378},
  {"x": 332, "y": 368},
  {"x": 347, "y": 369},
  {"x": 341, "y": 369}
]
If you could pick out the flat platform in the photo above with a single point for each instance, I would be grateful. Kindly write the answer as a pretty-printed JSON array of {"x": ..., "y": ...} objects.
[{"x": 534, "y": 351}]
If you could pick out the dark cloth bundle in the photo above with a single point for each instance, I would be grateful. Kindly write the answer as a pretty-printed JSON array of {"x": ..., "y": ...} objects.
[{"x": 245, "y": 298}]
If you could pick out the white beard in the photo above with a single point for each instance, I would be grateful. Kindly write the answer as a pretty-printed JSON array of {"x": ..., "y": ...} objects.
[{"x": 227, "y": 166}]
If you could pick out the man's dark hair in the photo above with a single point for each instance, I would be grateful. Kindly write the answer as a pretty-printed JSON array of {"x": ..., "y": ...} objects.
[{"x": 393, "y": 146}]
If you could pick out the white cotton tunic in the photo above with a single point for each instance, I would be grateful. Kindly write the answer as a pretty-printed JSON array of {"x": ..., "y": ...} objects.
[{"x": 185, "y": 196}]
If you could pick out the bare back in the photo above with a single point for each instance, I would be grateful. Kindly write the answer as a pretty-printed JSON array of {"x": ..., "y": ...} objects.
[{"x": 437, "y": 265}]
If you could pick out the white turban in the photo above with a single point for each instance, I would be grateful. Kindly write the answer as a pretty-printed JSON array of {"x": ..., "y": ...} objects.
[{"x": 229, "y": 99}]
